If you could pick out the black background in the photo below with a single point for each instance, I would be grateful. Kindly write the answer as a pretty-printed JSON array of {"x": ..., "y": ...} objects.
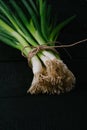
[{"x": 19, "y": 111}]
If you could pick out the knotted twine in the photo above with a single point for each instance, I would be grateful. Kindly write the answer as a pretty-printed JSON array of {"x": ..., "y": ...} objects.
[{"x": 39, "y": 48}]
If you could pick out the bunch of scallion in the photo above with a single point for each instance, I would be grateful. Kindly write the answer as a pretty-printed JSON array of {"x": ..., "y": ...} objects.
[{"x": 27, "y": 25}]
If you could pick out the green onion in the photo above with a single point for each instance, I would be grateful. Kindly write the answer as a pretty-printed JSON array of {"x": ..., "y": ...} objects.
[{"x": 28, "y": 25}]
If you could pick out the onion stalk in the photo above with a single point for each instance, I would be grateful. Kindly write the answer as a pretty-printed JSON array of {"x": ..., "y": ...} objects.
[{"x": 28, "y": 24}]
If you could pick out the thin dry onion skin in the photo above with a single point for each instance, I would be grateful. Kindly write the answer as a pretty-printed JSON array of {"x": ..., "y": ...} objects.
[{"x": 56, "y": 78}]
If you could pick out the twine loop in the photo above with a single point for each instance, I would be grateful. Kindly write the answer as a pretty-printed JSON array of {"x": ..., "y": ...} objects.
[{"x": 39, "y": 48}]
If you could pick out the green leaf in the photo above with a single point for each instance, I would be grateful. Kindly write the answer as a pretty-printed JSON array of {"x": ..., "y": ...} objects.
[
  {"x": 59, "y": 27},
  {"x": 32, "y": 14},
  {"x": 9, "y": 41},
  {"x": 29, "y": 22},
  {"x": 19, "y": 12},
  {"x": 5, "y": 19},
  {"x": 7, "y": 35},
  {"x": 34, "y": 6},
  {"x": 15, "y": 21},
  {"x": 43, "y": 19},
  {"x": 13, "y": 33},
  {"x": 5, "y": 10},
  {"x": 25, "y": 33},
  {"x": 35, "y": 33}
]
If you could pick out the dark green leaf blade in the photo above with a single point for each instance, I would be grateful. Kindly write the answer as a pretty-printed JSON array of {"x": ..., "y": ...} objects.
[
  {"x": 8, "y": 40},
  {"x": 32, "y": 14},
  {"x": 43, "y": 19},
  {"x": 59, "y": 27}
]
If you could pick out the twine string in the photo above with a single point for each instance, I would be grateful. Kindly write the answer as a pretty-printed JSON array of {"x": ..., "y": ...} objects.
[{"x": 39, "y": 48}]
